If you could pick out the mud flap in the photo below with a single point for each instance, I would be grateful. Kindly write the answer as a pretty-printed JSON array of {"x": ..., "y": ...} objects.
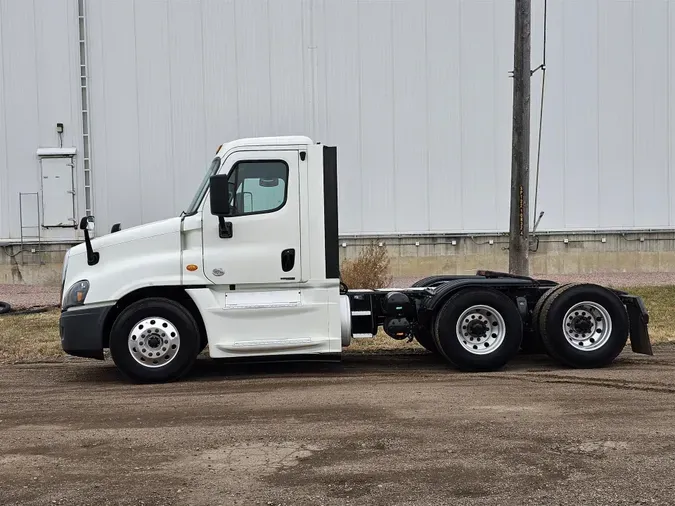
[{"x": 639, "y": 320}]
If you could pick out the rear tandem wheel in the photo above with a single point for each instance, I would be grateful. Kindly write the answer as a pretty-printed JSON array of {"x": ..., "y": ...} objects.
[
  {"x": 532, "y": 343},
  {"x": 584, "y": 325},
  {"x": 478, "y": 330}
]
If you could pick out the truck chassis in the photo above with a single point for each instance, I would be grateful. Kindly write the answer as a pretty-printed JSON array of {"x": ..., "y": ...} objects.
[{"x": 480, "y": 322}]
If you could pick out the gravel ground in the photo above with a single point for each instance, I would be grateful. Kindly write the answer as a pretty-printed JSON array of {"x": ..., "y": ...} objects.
[
  {"x": 376, "y": 430},
  {"x": 27, "y": 296}
]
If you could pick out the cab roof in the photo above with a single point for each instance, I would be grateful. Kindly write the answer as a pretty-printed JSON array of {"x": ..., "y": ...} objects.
[{"x": 282, "y": 140}]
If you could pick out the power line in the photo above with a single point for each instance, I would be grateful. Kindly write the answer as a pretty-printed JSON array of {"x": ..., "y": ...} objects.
[{"x": 541, "y": 113}]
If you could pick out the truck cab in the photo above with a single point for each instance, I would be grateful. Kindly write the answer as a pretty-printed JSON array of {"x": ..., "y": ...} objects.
[
  {"x": 254, "y": 257},
  {"x": 251, "y": 268}
]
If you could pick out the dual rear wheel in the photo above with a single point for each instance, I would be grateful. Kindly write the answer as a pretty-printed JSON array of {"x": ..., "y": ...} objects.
[{"x": 579, "y": 325}]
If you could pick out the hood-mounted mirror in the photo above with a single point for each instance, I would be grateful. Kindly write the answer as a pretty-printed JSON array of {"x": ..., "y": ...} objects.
[{"x": 87, "y": 225}]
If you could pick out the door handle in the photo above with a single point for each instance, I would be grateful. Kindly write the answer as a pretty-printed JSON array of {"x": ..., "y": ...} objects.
[
  {"x": 287, "y": 259},
  {"x": 224, "y": 228}
]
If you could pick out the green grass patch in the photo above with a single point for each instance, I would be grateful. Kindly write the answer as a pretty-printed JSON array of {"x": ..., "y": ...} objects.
[{"x": 35, "y": 337}]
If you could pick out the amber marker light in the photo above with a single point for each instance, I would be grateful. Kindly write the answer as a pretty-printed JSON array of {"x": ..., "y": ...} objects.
[{"x": 192, "y": 267}]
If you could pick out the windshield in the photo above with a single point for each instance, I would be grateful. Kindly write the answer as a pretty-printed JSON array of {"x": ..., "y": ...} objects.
[{"x": 197, "y": 199}]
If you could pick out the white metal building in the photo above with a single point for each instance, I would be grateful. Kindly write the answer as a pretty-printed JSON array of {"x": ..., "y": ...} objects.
[{"x": 416, "y": 94}]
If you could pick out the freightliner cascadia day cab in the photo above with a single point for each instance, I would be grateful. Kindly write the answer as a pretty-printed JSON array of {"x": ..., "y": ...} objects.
[{"x": 251, "y": 269}]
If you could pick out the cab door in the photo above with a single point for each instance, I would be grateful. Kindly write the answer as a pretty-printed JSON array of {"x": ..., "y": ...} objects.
[{"x": 260, "y": 242}]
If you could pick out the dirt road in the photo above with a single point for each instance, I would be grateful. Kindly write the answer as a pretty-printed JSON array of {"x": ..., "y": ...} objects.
[{"x": 381, "y": 430}]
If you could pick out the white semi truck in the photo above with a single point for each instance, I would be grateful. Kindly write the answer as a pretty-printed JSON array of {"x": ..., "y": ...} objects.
[{"x": 251, "y": 269}]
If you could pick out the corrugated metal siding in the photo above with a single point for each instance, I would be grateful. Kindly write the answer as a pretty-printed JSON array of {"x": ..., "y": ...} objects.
[
  {"x": 415, "y": 93},
  {"x": 38, "y": 88},
  {"x": 607, "y": 159}
]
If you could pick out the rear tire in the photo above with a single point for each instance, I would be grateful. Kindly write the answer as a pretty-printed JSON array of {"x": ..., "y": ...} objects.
[
  {"x": 426, "y": 340},
  {"x": 154, "y": 340},
  {"x": 424, "y": 335},
  {"x": 532, "y": 343},
  {"x": 478, "y": 330},
  {"x": 584, "y": 326}
]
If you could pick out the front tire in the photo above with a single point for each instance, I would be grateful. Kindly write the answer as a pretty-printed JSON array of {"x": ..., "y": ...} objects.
[
  {"x": 154, "y": 340},
  {"x": 478, "y": 330},
  {"x": 584, "y": 326}
]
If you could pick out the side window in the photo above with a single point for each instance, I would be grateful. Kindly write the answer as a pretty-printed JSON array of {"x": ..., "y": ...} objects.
[{"x": 258, "y": 186}]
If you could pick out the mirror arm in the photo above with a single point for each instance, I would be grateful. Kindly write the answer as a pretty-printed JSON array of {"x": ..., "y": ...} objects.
[
  {"x": 92, "y": 256},
  {"x": 224, "y": 228}
]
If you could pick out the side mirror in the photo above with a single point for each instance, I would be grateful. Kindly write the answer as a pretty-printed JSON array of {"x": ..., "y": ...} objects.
[
  {"x": 220, "y": 195},
  {"x": 87, "y": 223}
]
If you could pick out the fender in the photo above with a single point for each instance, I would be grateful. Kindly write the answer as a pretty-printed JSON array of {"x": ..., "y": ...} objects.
[
  {"x": 444, "y": 291},
  {"x": 439, "y": 280}
]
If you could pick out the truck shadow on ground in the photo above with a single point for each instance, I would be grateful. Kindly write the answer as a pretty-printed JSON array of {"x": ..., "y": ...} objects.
[
  {"x": 350, "y": 365},
  {"x": 356, "y": 364}
]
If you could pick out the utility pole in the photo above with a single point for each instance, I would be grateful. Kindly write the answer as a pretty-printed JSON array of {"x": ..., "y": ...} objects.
[{"x": 519, "y": 229}]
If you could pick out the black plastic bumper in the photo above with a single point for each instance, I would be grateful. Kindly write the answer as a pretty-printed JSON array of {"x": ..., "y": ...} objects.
[{"x": 82, "y": 331}]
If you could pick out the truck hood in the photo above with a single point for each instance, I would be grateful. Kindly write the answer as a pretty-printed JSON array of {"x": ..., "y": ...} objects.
[
  {"x": 147, "y": 231},
  {"x": 129, "y": 260}
]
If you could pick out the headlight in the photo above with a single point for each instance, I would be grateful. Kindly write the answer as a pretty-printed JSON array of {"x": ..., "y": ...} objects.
[{"x": 76, "y": 294}]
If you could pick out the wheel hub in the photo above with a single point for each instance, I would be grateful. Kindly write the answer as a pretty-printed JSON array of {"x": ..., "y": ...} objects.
[
  {"x": 480, "y": 329},
  {"x": 587, "y": 326},
  {"x": 477, "y": 328},
  {"x": 154, "y": 342},
  {"x": 582, "y": 324}
]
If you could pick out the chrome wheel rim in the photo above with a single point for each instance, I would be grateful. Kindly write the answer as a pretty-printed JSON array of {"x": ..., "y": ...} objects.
[
  {"x": 154, "y": 342},
  {"x": 480, "y": 330},
  {"x": 587, "y": 326}
]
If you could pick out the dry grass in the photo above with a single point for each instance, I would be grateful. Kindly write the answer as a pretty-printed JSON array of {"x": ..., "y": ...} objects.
[
  {"x": 30, "y": 338},
  {"x": 660, "y": 302},
  {"x": 370, "y": 270},
  {"x": 35, "y": 337},
  {"x": 382, "y": 342}
]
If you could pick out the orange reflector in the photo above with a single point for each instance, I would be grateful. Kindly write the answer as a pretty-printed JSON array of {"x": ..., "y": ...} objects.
[
  {"x": 219, "y": 148},
  {"x": 192, "y": 267},
  {"x": 80, "y": 296}
]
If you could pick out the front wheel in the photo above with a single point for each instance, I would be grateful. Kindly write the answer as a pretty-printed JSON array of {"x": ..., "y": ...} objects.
[
  {"x": 478, "y": 330},
  {"x": 154, "y": 340}
]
